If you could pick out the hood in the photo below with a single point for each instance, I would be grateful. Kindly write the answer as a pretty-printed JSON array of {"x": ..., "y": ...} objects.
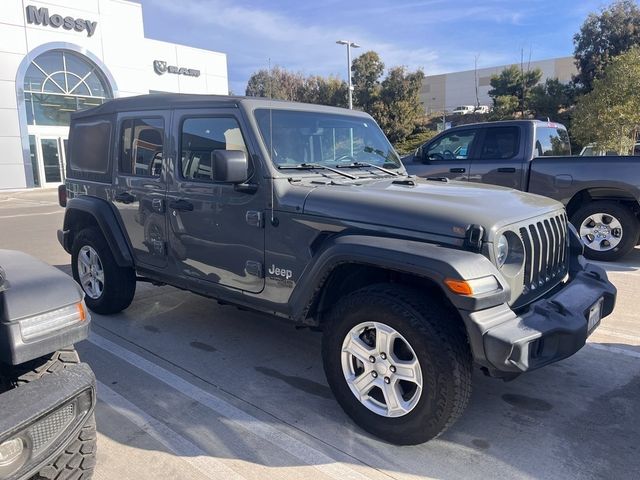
[{"x": 433, "y": 207}]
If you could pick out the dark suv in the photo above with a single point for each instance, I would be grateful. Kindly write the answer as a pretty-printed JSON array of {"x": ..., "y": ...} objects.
[{"x": 306, "y": 212}]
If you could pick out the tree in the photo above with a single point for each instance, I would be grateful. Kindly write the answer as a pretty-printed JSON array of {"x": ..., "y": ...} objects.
[
  {"x": 551, "y": 99},
  {"x": 398, "y": 109},
  {"x": 614, "y": 31},
  {"x": 324, "y": 91},
  {"x": 609, "y": 115},
  {"x": 511, "y": 89},
  {"x": 366, "y": 70},
  {"x": 275, "y": 83}
]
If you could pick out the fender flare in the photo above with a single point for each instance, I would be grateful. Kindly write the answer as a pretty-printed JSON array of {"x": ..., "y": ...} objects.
[
  {"x": 433, "y": 262},
  {"x": 104, "y": 216}
]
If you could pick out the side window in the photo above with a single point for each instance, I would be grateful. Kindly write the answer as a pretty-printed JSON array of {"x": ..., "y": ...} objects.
[
  {"x": 200, "y": 137},
  {"x": 452, "y": 146},
  {"x": 141, "y": 146},
  {"x": 500, "y": 143},
  {"x": 552, "y": 141},
  {"x": 90, "y": 147}
]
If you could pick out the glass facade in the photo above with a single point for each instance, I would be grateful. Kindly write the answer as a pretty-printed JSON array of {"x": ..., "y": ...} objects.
[{"x": 59, "y": 82}]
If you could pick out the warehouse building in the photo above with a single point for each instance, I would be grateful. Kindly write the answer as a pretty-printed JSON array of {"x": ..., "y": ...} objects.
[
  {"x": 452, "y": 90},
  {"x": 60, "y": 56}
]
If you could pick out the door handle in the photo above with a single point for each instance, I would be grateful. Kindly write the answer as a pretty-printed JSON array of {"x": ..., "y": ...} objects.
[
  {"x": 183, "y": 205},
  {"x": 124, "y": 197},
  {"x": 507, "y": 170},
  {"x": 457, "y": 170}
]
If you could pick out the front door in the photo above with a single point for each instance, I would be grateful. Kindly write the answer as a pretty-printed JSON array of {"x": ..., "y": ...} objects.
[
  {"x": 140, "y": 184},
  {"x": 50, "y": 157},
  {"x": 217, "y": 229},
  {"x": 447, "y": 156}
]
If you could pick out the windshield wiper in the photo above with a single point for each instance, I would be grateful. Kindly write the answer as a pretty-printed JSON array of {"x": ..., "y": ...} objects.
[
  {"x": 365, "y": 164},
  {"x": 314, "y": 166}
]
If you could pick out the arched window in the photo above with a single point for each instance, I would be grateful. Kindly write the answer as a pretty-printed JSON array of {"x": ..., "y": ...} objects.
[{"x": 59, "y": 82}]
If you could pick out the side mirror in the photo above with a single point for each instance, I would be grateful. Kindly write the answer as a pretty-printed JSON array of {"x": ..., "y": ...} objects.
[{"x": 230, "y": 166}]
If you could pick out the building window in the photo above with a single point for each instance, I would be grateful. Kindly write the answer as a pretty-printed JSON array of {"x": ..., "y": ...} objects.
[{"x": 59, "y": 82}]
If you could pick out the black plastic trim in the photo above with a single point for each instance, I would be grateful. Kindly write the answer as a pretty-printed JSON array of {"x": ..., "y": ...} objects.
[{"x": 102, "y": 212}]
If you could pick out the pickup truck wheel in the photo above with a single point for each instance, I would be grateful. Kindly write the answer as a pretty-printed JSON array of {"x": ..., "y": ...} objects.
[
  {"x": 79, "y": 457},
  {"x": 108, "y": 288},
  {"x": 609, "y": 230},
  {"x": 397, "y": 362}
]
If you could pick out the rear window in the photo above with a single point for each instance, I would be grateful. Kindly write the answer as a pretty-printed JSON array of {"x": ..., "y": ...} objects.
[
  {"x": 90, "y": 147},
  {"x": 551, "y": 141}
]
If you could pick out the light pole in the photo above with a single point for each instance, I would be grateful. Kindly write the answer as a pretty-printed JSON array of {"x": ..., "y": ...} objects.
[{"x": 349, "y": 45}]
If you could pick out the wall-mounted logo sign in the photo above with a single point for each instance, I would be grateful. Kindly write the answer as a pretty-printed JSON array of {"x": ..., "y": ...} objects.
[
  {"x": 161, "y": 67},
  {"x": 40, "y": 16}
]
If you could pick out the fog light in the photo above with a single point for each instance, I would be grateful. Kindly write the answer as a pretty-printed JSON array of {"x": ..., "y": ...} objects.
[
  {"x": 48, "y": 322},
  {"x": 13, "y": 455},
  {"x": 10, "y": 451}
]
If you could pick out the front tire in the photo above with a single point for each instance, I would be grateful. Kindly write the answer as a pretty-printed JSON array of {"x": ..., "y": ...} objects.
[
  {"x": 79, "y": 457},
  {"x": 383, "y": 326},
  {"x": 108, "y": 287},
  {"x": 609, "y": 230}
]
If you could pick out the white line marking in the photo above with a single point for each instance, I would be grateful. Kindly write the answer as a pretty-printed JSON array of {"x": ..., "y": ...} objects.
[
  {"x": 18, "y": 215},
  {"x": 209, "y": 466},
  {"x": 622, "y": 351},
  {"x": 305, "y": 453}
]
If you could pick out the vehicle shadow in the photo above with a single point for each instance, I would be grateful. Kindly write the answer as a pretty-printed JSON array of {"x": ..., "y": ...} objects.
[
  {"x": 629, "y": 263},
  {"x": 548, "y": 423}
]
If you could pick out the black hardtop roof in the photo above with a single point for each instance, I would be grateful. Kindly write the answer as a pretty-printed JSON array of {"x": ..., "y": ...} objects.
[{"x": 158, "y": 101}]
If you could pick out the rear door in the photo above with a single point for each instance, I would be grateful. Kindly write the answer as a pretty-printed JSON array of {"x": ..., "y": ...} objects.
[
  {"x": 500, "y": 158},
  {"x": 140, "y": 183},
  {"x": 446, "y": 156},
  {"x": 216, "y": 229}
]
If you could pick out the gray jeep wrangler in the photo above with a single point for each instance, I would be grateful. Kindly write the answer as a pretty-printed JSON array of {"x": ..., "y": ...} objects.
[
  {"x": 306, "y": 213},
  {"x": 47, "y": 397}
]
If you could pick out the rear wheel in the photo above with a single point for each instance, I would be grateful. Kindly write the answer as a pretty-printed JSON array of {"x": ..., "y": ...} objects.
[
  {"x": 397, "y": 362},
  {"x": 108, "y": 287},
  {"x": 609, "y": 230}
]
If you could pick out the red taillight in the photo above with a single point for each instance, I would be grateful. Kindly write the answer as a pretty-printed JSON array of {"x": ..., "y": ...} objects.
[{"x": 62, "y": 195}]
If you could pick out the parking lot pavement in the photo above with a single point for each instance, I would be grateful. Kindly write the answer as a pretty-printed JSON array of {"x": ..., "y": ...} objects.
[{"x": 191, "y": 389}]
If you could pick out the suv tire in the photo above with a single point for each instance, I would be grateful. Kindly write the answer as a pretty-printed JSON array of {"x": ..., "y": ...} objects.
[
  {"x": 435, "y": 339},
  {"x": 108, "y": 287},
  {"x": 79, "y": 457},
  {"x": 596, "y": 215}
]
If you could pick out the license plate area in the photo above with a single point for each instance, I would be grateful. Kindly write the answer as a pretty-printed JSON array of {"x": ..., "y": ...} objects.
[{"x": 595, "y": 315}]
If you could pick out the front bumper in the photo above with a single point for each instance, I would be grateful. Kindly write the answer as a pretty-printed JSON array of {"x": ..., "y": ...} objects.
[
  {"x": 47, "y": 415},
  {"x": 552, "y": 328}
]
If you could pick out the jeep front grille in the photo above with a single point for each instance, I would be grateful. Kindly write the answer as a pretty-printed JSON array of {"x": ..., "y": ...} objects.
[{"x": 545, "y": 246}]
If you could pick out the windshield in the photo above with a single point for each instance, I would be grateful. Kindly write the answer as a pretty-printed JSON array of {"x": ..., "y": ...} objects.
[{"x": 295, "y": 138}]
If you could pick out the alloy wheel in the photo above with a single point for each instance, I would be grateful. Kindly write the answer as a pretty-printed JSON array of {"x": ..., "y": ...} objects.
[
  {"x": 91, "y": 272},
  {"x": 381, "y": 369},
  {"x": 601, "y": 232}
]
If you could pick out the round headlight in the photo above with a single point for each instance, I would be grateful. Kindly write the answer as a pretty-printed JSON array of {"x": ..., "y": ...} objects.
[{"x": 502, "y": 250}]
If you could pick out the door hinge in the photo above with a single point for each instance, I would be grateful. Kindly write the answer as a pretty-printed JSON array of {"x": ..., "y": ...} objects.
[
  {"x": 254, "y": 268},
  {"x": 254, "y": 218}
]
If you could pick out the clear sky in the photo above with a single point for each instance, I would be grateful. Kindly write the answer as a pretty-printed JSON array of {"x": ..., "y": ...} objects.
[{"x": 438, "y": 36}]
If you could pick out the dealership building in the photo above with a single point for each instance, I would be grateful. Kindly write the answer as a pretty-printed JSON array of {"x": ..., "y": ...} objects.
[
  {"x": 60, "y": 56},
  {"x": 451, "y": 90}
]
